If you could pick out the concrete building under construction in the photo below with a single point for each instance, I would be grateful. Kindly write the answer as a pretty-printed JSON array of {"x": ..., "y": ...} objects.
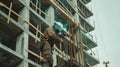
[{"x": 22, "y": 23}]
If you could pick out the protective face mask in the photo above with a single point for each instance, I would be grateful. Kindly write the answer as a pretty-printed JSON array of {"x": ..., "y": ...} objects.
[{"x": 59, "y": 28}]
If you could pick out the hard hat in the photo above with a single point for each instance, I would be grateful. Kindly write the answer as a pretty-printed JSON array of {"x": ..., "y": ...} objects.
[{"x": 58, "y": 26}]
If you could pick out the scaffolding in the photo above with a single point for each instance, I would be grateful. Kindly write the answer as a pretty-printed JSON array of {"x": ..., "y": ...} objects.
[{"x": 74, "y": 54}]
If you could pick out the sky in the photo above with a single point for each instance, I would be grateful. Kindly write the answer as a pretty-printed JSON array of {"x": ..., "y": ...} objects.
[{"x": 107, "y": 31}]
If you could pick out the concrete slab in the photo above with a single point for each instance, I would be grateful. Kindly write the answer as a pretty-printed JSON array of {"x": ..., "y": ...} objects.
[
  {"x": 91, "y": 59},
  {"x": 88, "y": 42}
]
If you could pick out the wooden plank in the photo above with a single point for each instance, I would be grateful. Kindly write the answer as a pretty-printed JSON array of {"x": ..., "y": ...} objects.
[
  {"x": 37, "y": 33},
  {"x": 36, "y": 5},
  {"x": 9, "y": 13},
  {"x": 1, "y": 4},
  {"x": 79, "y": 57},
  {"x": 21, "y": 18},
  {"x": 81, "y": 48},
  {"x": 74, "y": 48},
  {"x": 70, "y": 46},
  {"x": 38, "y": 8},
  {"x": 66, "y": 16},
  {"x": 59, "y": 51},
  {"x": 29, "y": 51},
  {"x": 17, "y": 54}
]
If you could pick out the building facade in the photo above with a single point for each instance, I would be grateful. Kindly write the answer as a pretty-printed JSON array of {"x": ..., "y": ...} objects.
[{"x": 22, "y": 23}]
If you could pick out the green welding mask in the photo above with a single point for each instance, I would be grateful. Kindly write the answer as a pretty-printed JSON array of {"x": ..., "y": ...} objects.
[{"x": 58, "y": 27}]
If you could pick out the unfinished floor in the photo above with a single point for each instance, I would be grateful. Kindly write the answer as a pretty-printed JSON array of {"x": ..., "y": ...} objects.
[{"x": 22, "y": 23}]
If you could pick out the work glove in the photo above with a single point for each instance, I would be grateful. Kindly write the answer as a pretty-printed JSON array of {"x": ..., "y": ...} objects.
[{"x": 60, "y": 39}]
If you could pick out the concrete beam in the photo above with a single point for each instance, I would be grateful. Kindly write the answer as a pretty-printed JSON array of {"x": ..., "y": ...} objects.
[
  {"x": 91, "y": 59},
  {"x": 40, "y": 19},
  {"x": 19, "y": 25},
  {"x": 18, "y": 55}
]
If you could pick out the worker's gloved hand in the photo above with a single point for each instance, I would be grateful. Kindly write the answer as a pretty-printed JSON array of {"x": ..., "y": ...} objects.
[
  {"x": 62, "y": 34},
  {"x": 60, "y": 39}
]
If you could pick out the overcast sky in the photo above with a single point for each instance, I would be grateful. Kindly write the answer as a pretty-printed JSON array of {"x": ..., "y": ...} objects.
[{"x": 107, "y": 19}]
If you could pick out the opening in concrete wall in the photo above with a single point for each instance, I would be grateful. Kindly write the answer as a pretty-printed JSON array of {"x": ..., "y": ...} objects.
[
  {"x": 8, "y": 33},
  {"x": 16, "y": 6}
]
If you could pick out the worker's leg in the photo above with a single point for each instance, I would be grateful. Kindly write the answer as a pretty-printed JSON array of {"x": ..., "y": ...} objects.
[{"x": 47, "y": 54}]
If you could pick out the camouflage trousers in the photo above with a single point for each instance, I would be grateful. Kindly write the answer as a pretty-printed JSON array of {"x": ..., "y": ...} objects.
[{"x": 47, "y": 53}]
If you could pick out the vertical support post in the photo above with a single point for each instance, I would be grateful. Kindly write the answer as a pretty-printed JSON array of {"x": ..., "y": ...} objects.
[
  {"x": 78, "y": 50},
  {"x": 23, "y": 38},
  {"x": 76, "y": 16},
  {"x": 70, "y": 45},
  {"x": 9, "y": 13},
  {"x": 39, "y": 5},
  {"x": 54, "y": 56},
  {"x": 37, "y": 33},
  {"x": 82, "y": 61},
  {"x": 81, "y": 49},
  {"x": 36, "y": 5},
  {"x": 75, "y": 50}
]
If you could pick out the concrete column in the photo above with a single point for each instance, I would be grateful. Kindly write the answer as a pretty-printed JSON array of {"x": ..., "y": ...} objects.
[
  {"x": 19, "y": 42},
  {"x": 23, "y": 38},
  {"x": 50, "y": 13}
]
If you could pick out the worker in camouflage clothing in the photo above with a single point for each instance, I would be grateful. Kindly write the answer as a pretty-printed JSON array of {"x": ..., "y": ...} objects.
[{"x": 51, "y": 38}]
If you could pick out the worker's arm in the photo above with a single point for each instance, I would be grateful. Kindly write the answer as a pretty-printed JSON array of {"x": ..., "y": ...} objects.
[{"x": 49, "y": 32}]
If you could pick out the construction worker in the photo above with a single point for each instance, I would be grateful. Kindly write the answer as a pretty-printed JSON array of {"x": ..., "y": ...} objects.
[{"x": 51, "y": 38}]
